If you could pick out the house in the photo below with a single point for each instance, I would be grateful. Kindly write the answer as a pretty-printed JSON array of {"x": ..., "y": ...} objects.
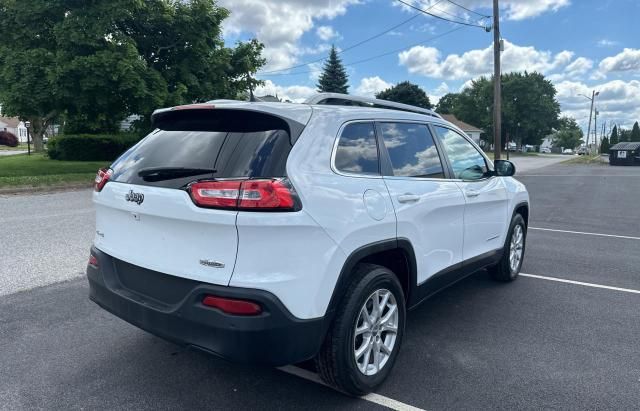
[
  {"x": 472, "y": 131},
  {"x": 14, "y": 126},
  {"x": 547, "y": 143},
  {"x": 269, "y": 98}
]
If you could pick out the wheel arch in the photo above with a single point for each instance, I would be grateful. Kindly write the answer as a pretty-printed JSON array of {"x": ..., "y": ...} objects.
[
  {"x": 396, "y": 254},
  {"x": 522, "y": 208}
]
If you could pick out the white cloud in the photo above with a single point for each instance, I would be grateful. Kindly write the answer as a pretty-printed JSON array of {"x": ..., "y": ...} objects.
[
  {"x": 326, "y": 33},
  {"x": 618, "y": 101},
  {"x": 295, "y": 93},
  {"x": 627, "y": 60},
  {"x": 280, "y": 24},
  {"x": 511, "y": 9},
  {"x": 606, "y": 43},
  {"x": 428, "y": 61},
  {"x": 369, "y": 86}
]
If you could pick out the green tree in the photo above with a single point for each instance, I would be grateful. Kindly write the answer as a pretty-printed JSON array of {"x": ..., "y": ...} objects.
[
  {"x": 568, "y": 135},
  {"x": 529, "y": 107},
  {"x": 334, "y": 76},
  {"x": 635, "y": 132},
  {"x": 625, "y": 135},
  {"x": 604, "y": 145},
  {"x": 614, "y": 136},
  {"x": 90, "y": 64},
  {"x": 447, "y": 103},
  {"x": 407, "y": 93}
]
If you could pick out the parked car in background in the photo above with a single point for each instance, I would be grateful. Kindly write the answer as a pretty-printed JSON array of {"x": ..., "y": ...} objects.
[
  {"x": 583, "y": 151},
  {"x": 567, "y": 151},
  {"x": 545, "y": 150}
]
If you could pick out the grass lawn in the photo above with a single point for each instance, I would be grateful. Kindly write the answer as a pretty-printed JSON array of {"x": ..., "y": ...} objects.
[
  {"x": 38, "y": 170},
  {"x": 590, "y": 159}
]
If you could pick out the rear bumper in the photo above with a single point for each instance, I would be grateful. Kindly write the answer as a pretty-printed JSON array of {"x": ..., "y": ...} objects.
[{"x": 171, "y": 307}]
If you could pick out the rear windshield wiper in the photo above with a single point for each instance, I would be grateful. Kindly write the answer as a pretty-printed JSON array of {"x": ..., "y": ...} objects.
[{"x": 169, "y": 173}]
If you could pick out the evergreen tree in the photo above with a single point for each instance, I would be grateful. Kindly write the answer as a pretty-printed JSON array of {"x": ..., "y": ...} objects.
[
  {"x": 635, "y": 132},
  {"x": 334, "y": 77},
  {"x": 604, "y": 146},
  {"x": 614, "y": 136}
]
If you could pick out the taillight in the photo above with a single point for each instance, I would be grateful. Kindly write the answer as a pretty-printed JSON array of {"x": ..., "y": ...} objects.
[
  {"x": 258, "y": 195},
  {"x": 216, "y": 194},
  {"x": 232, "y": 305},
  {"x": 101, "y": 178}
]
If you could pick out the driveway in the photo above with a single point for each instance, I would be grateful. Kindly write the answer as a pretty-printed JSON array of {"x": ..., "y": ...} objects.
[
  {"x": 11, "y": 152},
  {"x": 528, "y": 163},
  {"x": 563, "y": 336}
]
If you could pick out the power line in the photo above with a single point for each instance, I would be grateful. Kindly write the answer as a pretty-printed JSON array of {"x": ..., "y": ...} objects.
[
  {"x": 440, "y": 17},
  {"x": 450, "y": 14},
  {"x": 469, "y": 10},
  {"x": 372, "y": 57},
  {"x": 353, "y": 45},
  {"x": 346, "y": 49}
]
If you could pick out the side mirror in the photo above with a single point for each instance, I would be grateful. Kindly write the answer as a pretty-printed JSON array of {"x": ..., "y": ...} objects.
[{"x": 504, "y": 168}]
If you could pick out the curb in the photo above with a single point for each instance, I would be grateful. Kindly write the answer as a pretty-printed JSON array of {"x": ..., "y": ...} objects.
[{"x": 43, "y": 189}]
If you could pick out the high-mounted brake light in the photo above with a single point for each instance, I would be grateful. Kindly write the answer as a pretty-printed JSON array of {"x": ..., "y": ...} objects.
[
  {"x": 262, "y": 194},
  {"x": 103, "y": 176},
  {"x": 232, "y": 305},
  {"x": 191, "y": 106}
]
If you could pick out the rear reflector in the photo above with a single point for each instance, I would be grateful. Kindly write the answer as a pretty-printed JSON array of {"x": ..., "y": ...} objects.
[
  {"x": 93, "y": 261},
  {"x": 258, "y": 195},
  {"x": 232, "y": 306},
  {"x": 102, "y": 178}
]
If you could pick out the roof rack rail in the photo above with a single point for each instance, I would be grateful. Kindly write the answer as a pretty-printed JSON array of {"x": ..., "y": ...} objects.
[{"x": 349, "y": 100}]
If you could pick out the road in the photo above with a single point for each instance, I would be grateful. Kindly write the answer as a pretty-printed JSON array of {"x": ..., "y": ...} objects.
[{"x": 532, "y": 344}]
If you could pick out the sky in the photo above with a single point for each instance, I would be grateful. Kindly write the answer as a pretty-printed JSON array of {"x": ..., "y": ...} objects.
[{"x": 580, "y": 45}]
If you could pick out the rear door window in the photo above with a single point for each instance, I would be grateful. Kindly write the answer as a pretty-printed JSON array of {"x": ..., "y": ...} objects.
[
  {"x": 175, "y": 158},
  {"x": 357, "y": 151},
  {"x": 412, "y": 151}
]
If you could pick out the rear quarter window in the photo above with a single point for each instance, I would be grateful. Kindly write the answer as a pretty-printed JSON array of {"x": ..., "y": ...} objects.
[{"x": 357, "y": 150}]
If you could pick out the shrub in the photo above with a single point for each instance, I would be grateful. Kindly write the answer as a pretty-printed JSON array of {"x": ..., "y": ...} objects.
[
  {"x": 8, "y": 139},
  {"x": 89, "y": 147}
]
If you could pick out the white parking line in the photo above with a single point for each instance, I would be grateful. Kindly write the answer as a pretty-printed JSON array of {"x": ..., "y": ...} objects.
[
  {"x": 574, "y": 175},
  {"x": 373, "y": 397},
  {"x": 562, "y": 280},
  {"x": 626, "y": 237}
]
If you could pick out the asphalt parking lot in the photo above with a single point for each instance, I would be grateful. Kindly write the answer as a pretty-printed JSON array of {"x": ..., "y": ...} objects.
[{"x": 566, "y": 336}]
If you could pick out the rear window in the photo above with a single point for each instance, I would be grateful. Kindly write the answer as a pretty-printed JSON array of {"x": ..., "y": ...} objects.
[{"x": 218, "y": 154}]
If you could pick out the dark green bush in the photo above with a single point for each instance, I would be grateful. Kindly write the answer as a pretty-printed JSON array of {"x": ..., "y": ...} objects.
[
  {"x": 8, "y": 139},
  {"x": 89, "y": 147}
]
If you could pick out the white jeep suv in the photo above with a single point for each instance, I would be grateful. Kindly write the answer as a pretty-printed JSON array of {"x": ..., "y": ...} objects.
[{"x": 275, "y": 233}]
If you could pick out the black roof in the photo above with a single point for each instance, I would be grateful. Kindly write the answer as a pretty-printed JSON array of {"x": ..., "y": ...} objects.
[{"x": 625, "y": 146}]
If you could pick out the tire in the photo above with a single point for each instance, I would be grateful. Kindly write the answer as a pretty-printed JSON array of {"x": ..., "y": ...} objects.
[
  {"x": 336, "y": 362},
  {"x": 503, "y": 270}
]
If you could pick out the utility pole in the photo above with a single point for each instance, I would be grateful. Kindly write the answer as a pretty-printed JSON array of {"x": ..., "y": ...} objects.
[
  {"x": 497, "y": 88},
  {"x": 593, "y": 94},
  {"x": 595, "y": 129}
]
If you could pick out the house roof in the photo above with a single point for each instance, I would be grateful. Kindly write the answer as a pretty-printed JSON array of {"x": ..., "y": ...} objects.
[
  {"x": 10, "y": 121},
  {"x": 460, "y": 124},
  {"x": 625, "y": 146}
]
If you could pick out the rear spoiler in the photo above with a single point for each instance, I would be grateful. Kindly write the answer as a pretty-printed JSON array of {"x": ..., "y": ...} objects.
[{"x": 241, "y": 118}]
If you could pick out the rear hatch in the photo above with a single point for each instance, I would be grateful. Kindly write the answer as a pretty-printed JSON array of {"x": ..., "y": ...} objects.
[{"x": 146, "y": 214}]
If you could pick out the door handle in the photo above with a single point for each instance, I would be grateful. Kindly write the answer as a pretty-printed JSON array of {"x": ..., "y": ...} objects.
[
  {"x": 408, "y": 198},
  {"x": 472, "y": 193}
]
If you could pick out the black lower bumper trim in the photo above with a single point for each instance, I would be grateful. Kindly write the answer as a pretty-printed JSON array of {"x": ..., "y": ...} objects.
[{"x": 275, "y": 337}]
